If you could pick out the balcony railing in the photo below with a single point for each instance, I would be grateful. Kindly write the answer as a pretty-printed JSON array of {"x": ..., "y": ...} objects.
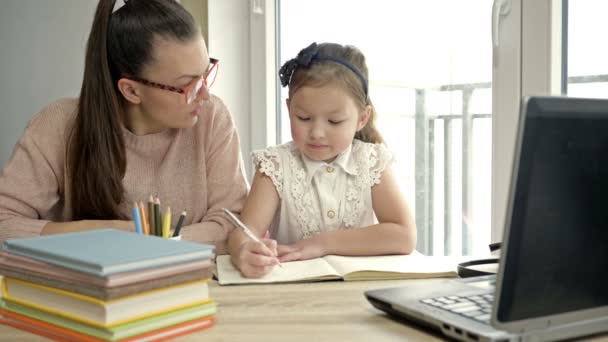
[{"x": 425, "y": 138}]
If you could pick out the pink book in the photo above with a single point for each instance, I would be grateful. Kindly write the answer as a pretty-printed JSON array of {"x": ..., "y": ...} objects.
[{"x": 106, "y": 287}]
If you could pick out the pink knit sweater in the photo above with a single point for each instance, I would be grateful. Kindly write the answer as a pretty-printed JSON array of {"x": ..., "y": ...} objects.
[{"x": 198, "y": 169}]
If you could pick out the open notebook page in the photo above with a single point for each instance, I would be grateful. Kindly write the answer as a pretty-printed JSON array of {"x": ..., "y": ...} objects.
[
  {"x": 415, "y": 265},
  {"x": 294, "y": 271}
]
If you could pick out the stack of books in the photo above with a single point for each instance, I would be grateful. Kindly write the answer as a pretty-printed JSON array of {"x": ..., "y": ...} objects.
[{"x": 106, "y": 285}]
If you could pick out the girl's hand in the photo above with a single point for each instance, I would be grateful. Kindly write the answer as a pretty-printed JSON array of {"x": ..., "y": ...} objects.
[
  {"x": 301, "y": 250},
  {"x": 256, "y": 259}
]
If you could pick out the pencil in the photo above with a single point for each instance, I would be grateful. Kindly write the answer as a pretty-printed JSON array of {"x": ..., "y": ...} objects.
[
  {"x": 144, "y": 218},
  {"x": 157, "y": 217},
  {"x": 246, "y": 230},
  {"x": 167, "y": 223},
  {"x": 180, "y": 222},
  {"x": 151, "y": 216},
  {"x": 137, "y": 219}
]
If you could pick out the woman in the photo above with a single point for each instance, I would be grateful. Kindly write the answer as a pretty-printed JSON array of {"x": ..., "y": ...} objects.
[{"x": 144, "y": 124}]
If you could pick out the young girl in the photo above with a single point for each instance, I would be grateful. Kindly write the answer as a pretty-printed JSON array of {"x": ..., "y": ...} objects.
[
  {"x": 327, "y": 187},
  {"x": 145, "y": 123}
]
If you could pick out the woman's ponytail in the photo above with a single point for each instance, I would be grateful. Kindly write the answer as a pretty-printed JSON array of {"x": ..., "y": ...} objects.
[{"x": 96, "y": 150}]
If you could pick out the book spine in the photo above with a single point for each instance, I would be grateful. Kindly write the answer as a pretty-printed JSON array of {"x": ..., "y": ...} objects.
[{"x": 53, "y": 258}]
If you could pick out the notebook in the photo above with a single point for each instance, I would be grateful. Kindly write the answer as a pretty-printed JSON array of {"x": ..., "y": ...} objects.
[
  {"x": 348, "y": 268},
  {"x": 107, "y": 251},
  {"x": 50, "y": 322},
  {"x": 108, "y": 287},
  {"x": 104, "y": 314}
]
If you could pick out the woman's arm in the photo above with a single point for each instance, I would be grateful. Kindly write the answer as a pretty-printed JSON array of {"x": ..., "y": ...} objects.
[
  {"x": 394, "y": 234},
  {"x": 29, "y": 184},
  {"x": 29, "y": 190},
  {"x": 30, "y": 194},
  {"x": 74, "y": 226},
  {"x": 226, "y": 180}
]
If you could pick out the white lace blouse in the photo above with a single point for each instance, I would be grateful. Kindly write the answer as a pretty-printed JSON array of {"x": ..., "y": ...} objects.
[{"x": 317, "y": 196}]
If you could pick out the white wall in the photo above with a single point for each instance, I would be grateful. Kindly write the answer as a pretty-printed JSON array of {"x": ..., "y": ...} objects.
[
  {"x": 41, "y": 59},
  {"x": 229, "y": 42}
]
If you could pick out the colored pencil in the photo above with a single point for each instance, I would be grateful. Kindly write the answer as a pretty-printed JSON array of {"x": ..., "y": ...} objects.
[
  {"x": 180, "y": 222},
  {"x": 166, "y": 222},
  {"x": 158, "y": 218},
  {"x": 144, "y": 218},
  {"x": 137, "y": 219},
  {"x": 151, "y": 216}
]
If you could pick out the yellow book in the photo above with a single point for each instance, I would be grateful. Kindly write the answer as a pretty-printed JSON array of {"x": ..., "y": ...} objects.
[
  {"x": 101, "y": 313},
  {"x": 348, "y": 268}
]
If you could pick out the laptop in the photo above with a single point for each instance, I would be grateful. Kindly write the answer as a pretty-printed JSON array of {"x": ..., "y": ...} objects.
[{"x": 552, "y": 280}]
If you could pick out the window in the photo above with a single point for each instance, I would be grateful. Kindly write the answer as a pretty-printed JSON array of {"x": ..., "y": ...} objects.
[
  {"x": 430, "y": 65},
  {"x": 587, "y": 68}
]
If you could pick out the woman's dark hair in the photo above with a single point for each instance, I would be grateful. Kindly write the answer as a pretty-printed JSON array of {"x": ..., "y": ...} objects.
[{"x": 120, "y": 43}]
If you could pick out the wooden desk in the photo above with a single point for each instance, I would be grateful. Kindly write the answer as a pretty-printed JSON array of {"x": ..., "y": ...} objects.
[{"x": 327, "y": 311}]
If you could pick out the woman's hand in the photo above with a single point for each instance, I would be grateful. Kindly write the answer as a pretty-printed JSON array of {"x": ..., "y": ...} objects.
[
  {"x": 256, "y": 259},
  {"x": 302, "y": 250},
  {"x": 128, "y": 226},
  {"x": 76, "y": 226}
]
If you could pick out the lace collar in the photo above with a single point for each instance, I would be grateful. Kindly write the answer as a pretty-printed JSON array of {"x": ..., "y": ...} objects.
[{"x": 344, "y": 160}]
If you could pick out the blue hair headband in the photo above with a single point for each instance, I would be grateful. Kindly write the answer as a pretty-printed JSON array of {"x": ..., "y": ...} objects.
[{"x": 306, "y": 57}]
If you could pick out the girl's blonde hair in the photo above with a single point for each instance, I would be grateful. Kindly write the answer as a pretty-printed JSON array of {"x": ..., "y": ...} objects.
[{"x": 322, "y": 64}]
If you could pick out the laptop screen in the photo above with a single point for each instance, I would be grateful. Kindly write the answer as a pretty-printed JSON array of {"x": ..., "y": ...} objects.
[{"x": 557, "y": 259}]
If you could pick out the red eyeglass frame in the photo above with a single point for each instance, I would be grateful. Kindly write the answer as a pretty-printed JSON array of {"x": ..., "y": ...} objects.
[{"x": 212, "y": 70}]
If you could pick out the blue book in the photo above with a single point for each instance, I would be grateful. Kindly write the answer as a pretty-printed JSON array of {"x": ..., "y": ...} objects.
[{"x": 106, "y": 251}]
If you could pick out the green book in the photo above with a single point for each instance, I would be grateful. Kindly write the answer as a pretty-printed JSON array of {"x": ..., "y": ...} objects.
[{"x": 120, "y": 331}]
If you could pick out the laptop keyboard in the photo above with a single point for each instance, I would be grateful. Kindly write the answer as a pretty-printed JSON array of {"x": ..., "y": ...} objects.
[{"x": 477, "y": 307}]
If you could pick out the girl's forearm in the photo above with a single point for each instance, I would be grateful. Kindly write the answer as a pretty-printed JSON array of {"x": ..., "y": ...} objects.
[
  {"x": 235, "y": 240},
  {"x": 379, "y": 239}
]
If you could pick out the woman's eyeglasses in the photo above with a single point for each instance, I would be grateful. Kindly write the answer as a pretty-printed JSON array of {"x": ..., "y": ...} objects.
[{"x": 192, "y": 90}]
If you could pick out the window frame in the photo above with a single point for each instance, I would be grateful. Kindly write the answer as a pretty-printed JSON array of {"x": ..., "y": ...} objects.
[{"x": 527, "y": 62}]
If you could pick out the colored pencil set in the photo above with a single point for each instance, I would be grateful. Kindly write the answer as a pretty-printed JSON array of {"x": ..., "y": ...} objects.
[{"x": 154, "y": 221}]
